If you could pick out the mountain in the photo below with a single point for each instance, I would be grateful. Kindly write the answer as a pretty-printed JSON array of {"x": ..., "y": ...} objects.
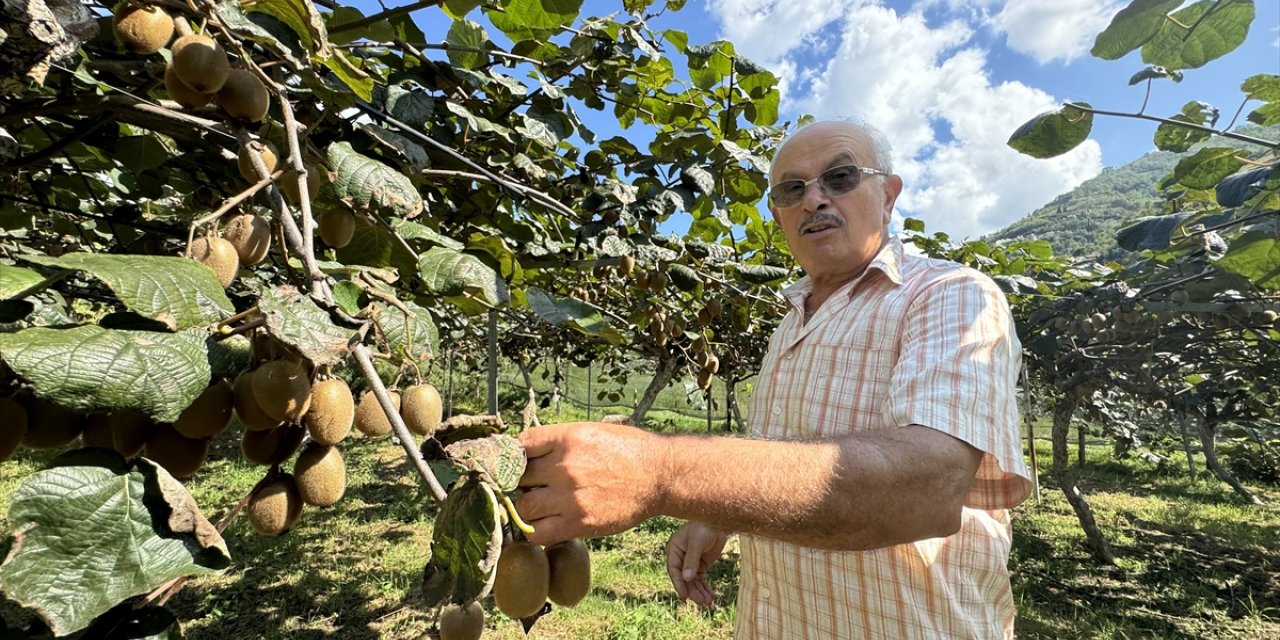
[{"x": 1082, "y": 223}]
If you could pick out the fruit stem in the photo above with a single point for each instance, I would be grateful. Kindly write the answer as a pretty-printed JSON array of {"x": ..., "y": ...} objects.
[
  {"x": 515, "y": 516},
  {"x": 181, "y": 26}
]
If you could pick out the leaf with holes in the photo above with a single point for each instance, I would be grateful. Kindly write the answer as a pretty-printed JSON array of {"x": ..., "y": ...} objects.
[
  {"x": 297, "y": 321},
  {"x": 93, "y": 529},
  {"x": 365, "y": 183}
]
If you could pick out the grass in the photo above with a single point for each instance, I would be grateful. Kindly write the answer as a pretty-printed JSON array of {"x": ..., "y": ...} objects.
[{"x": 1194, "y": 561}]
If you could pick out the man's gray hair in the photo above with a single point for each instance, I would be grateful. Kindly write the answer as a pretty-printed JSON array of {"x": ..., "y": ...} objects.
[{"x": 880, "y": 146}]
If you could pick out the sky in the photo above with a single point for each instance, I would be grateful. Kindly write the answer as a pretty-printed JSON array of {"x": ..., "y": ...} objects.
[{"x": 948, "y": 81}]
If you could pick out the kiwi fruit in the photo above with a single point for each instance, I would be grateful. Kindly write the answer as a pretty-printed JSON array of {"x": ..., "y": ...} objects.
[
  {"x": 332, "y": 412},
  {"x": 371, "y": 420},
  {"x": 129, "y": 432},
  {"x": 209, "y": 414},
  {"x": 270, "y": 157},
  {"x": 13, "y": 426},
  {"x": 625, "y": 265},
  {"x": 289, "y": 183},
  {"x": 179, "y": 455},
  {"x": 321, "y": 475},
  {"x": 200, "y": 63},
  {"x": 50, "y": 426},
  {"x": 421, "y": 409},
  {"x": 181, "y": 93},
  {"x": 142, "y": 29},
  {"x": 246, "y": 405},
  {"x": 570, "y": 572},
  {"x": 217, "y": 254},
  {"x": 522, "y": 581},
  {"x": 462, "y": 622},
  {"x": 97, "y": 432},
  {"x": 337, "y": 227},
  {"x": 275, "y": 506},
  {"x": 282, "y": 389},
  {"x": 272, "y": 447},
  {"x": 243, "y": 96},
  {"x": 250, "y": 235},
  {"x": 711, "y": 364}
]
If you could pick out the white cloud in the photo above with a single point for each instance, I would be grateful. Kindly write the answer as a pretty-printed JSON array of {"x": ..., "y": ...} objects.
[
  {"x": 927, "y": 87},
  {"x": 1049, "y": 30},
  {"x": 771, "y": 28}
]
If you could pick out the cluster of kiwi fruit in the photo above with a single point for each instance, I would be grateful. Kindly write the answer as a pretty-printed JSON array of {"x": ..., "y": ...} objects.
[
  {"x": 245, "y": 241},
  {"x": 199, "y": 71},
  {"x": 419, "y": 405},
  {"x": 654, "y": 281},
  {"x": 280, "y": 408},
  {"x": 527, "y": 576},
  {"x": 707, "y": 362}
]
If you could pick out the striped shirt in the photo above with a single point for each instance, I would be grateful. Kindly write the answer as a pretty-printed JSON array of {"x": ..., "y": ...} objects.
[{"x": 911, "y": 341}]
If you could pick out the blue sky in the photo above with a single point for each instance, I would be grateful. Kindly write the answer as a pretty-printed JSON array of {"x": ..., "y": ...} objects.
[{"x": 949, "y": 80}]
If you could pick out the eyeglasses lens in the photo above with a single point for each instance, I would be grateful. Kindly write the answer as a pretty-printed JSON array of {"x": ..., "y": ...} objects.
[{"x": 834, "y": 181}]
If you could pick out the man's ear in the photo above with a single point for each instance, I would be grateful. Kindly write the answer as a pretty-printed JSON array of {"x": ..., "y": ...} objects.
[
  {"x": 892, "y": 189},
  {"x": 774, "y": 210}
]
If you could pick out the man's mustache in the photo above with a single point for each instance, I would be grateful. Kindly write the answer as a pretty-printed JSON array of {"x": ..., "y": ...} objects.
[{"x": 821, "y": 218}]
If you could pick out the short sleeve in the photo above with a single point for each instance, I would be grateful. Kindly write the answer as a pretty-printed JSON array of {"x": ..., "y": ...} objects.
[{"x": 957, "y": 372}]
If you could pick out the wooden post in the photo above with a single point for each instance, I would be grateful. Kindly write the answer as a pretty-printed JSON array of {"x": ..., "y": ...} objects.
[
  {"x": 1031, "y": 433},
  {"x": 589, "y": 396},
  {"x": 493, "y": 362}
]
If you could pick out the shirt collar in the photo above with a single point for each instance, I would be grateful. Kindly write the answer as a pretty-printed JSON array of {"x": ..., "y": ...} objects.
[{"x": 887, "y": 261}]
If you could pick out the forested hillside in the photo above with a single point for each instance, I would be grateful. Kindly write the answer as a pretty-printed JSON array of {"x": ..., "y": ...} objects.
[{"x": 1083, "y": 222}]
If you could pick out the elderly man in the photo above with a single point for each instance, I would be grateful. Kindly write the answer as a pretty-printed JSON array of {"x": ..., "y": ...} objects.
[{"x": 870, "y": 496}]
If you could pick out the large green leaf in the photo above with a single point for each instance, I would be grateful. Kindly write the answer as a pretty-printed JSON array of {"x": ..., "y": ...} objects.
[
  {"x": 297, "y": 321},
  {"x": 375, "y": 246},
  {"x": 94, "y": 369},
  {"x": 352, "y": 76},
  {"x": 710, "y": 63},
  {"x": 414, "y": 337},
  {"x": 465, "y": 546},
  {"x": 178, "y": 292},
  {"x": 140, "y": 153},
  {"x": 380, "y": 31},
  {"x": 1207, "y": 167},
  {"x": 1256, "y": 256},
  {"x": 451, "y": 273},
  {"x": 365, "y": 183},
  {"x": 498, "y": 459},
  {"x": 761, "y": 273},
  {"x": 1265, "y": 87},
  {"x": 302, "y": 17},
  {"x": 1202, "y": 32},
  {"x": 1152, "y": 232},
  {"x": 93, "y": 529},
  {"x": 467, "y": 35},
  {"x": 525, "y": 19},
  {"x": 1133, "y": 26},
  {"x": 14, "y": 280},
  {"x": 1053, "y": 133},
  {"x": 575, "y": 314}
]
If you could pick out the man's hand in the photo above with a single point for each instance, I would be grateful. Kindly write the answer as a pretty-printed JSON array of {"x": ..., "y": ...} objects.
[
  {"x": 589, "y": 479},
  {"x": 690, "y": 551}
]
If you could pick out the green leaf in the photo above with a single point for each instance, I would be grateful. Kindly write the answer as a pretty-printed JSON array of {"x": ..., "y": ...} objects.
[
  {"x": 1133, "y": 26},
  {"x": 297, "y": 321},
  {"x": 346, "y": 294},
  {"x": 365, "y": 183},
  {"x": 412, "y": 107},
  {"x": 396, "y": 327},
  {"x": 1053, "y": 133},
  {"x": 575, "y": 314},
  {"x": 1266, "y": 115},
  {"x": 498, "y": 460},
  {"x": 762, "y": 273},
  {"x": 178, "y": 292},
  {"x": 457, "y": 9},
  {"x": 1207, "y": 167},
  {"x": 526, "y": 19},
  {"x": 380, "y": 31},
  {"x": 1151, "y": 232},
  {"x": 415, "y": 231},
  {"x": 94, "y": 369},
  {"x": 1198, "y": 34},
  {"x": 1175, "y": 138},
  {"x": 1256, "y": 256},
  {"x": 375, "y": 246},
  {"x": 1239, "y": 188},
  {"x": 140, "y": 153},
  {"x": 14, "y": 280},
  {"x": 451, "y": 273},
  {"x": 355, "y": 79},
  {"x": 685, "y": 278},
  {"x": 467, "y": 34},
  {"x": 1263, "y": 86},
  {"x": 93, "y": 530},
  {"x": 233, "y": 17},
  {"x": 710, "y": 63},
  {"x": 302, "y": 17},
  {"x": 1152, "y": 72},
  {"x": 465, "y": 546},
  {"x": 913, "y": 224}
]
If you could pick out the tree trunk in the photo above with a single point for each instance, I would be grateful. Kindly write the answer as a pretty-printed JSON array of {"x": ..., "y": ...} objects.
[
  {"x": 1080, "y": 436},
  {"x": 1186, "y": 445},
  {"x": 555, "y": 390},
  {"x": 1062, "y": 413},
  {"x": 734, "y": 410},
  {"x": 661, "y": 378},
  {"x": 1207, "y": 431},
  {"x": 529, "y": 415},
  {"x": 1031, "y": 434},
  {"x": 493, "y": 362},
  {"x": 449, "y": 391}
]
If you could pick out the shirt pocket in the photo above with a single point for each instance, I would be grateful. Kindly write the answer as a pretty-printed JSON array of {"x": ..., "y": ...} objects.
[{"x": 844, "y": 388}]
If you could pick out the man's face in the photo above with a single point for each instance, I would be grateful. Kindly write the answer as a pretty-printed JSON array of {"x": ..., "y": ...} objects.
[{"x": 833, "y": 237}]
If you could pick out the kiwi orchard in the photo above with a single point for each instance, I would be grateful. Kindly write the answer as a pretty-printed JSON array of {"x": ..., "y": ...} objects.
[{"x": 273, "y": 221}]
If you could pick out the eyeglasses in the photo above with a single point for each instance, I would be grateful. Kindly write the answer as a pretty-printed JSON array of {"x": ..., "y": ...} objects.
[{"x": 833, "y": 182}]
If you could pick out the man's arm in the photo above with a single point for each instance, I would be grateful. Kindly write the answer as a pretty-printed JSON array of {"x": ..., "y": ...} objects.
[{"x": 862, "y": 491}]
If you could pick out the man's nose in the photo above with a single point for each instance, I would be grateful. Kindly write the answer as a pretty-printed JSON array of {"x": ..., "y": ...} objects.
[{"x": 815, "y": 197}]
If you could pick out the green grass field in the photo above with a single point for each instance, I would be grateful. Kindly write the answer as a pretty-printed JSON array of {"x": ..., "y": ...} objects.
[{"x": 1194, "y": 561}]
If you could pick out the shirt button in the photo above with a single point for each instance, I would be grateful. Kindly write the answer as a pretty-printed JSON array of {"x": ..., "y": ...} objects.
[
  {"x": 790, "y": 356},
  {"x": 766, "y": 594},
  {"x": 777, "y": 411}
]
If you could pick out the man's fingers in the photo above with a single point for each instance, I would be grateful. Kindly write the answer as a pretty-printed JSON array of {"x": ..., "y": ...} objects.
[
  {"x": 537, "y": 473},
  {"x": 548, "y": 531},
  {"x": 536, "y": 504},
  {"x": 689, "y": 565},
  {"x": 539, "y": 441}
]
